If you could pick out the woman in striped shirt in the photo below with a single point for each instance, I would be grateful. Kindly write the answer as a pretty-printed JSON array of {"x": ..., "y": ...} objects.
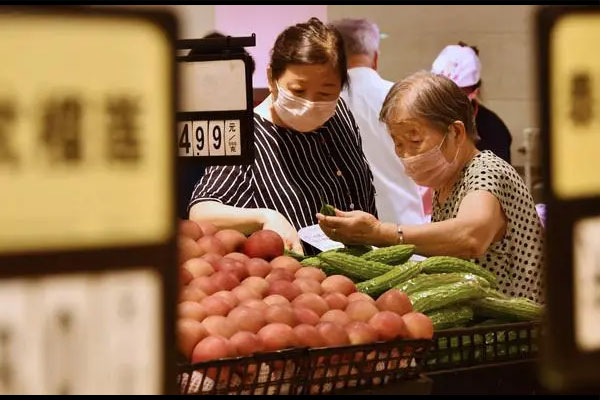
[{"x": 307, "y": 146}]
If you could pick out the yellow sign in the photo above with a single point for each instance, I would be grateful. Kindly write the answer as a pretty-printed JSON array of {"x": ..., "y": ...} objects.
[
  {"x": 575, "y": 106},
  {"x": 86, "y": 142}
]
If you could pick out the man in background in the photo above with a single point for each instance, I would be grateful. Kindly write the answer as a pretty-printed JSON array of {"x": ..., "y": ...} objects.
[{"x": 398, "y": 198}]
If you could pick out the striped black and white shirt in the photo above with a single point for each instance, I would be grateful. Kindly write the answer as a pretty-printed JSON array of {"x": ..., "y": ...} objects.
[{"x": 293, "y": 171}]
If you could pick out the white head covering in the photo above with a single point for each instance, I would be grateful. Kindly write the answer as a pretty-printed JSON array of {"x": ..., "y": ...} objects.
[{"x": 459, "y": 63}]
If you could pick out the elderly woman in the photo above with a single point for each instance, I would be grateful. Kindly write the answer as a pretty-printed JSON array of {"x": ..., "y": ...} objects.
[
  {"x": 482, "y": 210},
  {"x": 307, "y": 145}
]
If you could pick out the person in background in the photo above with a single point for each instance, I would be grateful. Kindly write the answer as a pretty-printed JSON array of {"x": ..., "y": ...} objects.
[
  {"x": 461, "y": 63},
  {"x": 482, "y": 209},
  {"x": 217, "y": 34},
  {"x": 307, "y": 147},
  {"x": 398, "y": 197}
]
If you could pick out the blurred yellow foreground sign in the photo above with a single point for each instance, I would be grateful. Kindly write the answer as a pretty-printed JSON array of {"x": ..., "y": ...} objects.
[
  {"x": 85, "y": 115},
  {"x": 574, "y": 105}
]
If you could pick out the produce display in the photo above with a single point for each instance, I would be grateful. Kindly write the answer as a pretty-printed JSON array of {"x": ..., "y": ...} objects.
[
  {"x": 451, "y": 291},
  {"x": 241, "y": 295},
  {"x": 246, "y": 295}
]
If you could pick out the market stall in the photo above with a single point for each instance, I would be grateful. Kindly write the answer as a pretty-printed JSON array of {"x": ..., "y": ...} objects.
[
  {"x": 286, "y": 315},
  {"x": 351, "y": 318},
  {"x": 93, "y": 303}
]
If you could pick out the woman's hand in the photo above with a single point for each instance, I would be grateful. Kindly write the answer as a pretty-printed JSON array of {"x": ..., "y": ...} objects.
[
  {"x": 247, "y": 221},
  {"x": 352, "y": 227},
  {"x": 275, "y": 221}
]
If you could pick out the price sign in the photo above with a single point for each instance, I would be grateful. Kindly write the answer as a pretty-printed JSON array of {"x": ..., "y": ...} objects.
[
  {"x": 209, "y": 138},
  {"x": 87, "y": 211},
  {"x": 215, "y": 118},
  {"x": 569, "y": 92}
]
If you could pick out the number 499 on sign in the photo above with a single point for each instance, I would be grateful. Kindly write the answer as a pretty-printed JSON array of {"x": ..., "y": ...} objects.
[{"x": 201, "y": 138}]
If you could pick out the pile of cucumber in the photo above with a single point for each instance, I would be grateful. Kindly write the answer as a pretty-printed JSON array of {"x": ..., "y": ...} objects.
[{"x": 451, "y": 291}]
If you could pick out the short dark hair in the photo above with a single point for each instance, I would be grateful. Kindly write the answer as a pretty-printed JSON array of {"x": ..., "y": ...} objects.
[
  {"x": 433, "y": 98},
  {"x": 214, "y": 34},
  {"x": 474, "y": 48},
  {"x": 311, "y": 42},
  {"x": 217, "y": 34}
]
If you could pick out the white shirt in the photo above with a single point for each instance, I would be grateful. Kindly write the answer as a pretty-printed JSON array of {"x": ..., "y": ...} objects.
[{"x": 397, "y": 196}]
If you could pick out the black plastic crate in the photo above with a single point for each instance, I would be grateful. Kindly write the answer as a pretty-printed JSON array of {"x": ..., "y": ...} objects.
[
  {"x": 278, "y": 372},
  {"x": 307, "y": 371},
  {"x": 482, "y": 345},
  {"x": 364, "y": 366}
]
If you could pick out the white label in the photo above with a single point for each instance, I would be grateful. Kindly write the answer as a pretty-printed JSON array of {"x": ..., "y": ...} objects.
[
  {"x": 232, "y": 135},
  {"x": 83, "y": 334},
  {"x": 66, "y": 325},
  {"x": 82, "y": 142},
  {"x": 200, "y": 129},
  {"x": 218, "y": 85},
  {"x": 315, "y": 236},
  {"x": 185, "y": 139},
  {"x": 586, "y": 271},
  {"x": 17, "y": 320},
  {"x": 216, "y": 138},
  {"x": 131, "y": 312}
]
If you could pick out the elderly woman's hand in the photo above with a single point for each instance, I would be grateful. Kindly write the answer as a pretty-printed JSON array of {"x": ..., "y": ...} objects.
[{"x": 352, "y": 227}]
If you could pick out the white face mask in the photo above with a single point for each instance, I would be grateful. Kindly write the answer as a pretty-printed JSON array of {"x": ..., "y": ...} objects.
[{"x": 301, "y": 114}]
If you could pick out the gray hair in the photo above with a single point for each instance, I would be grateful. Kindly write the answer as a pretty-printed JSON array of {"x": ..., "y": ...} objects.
[
  {"x": 432, "y": 98},
  {"x": 360, "y": 36}
]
